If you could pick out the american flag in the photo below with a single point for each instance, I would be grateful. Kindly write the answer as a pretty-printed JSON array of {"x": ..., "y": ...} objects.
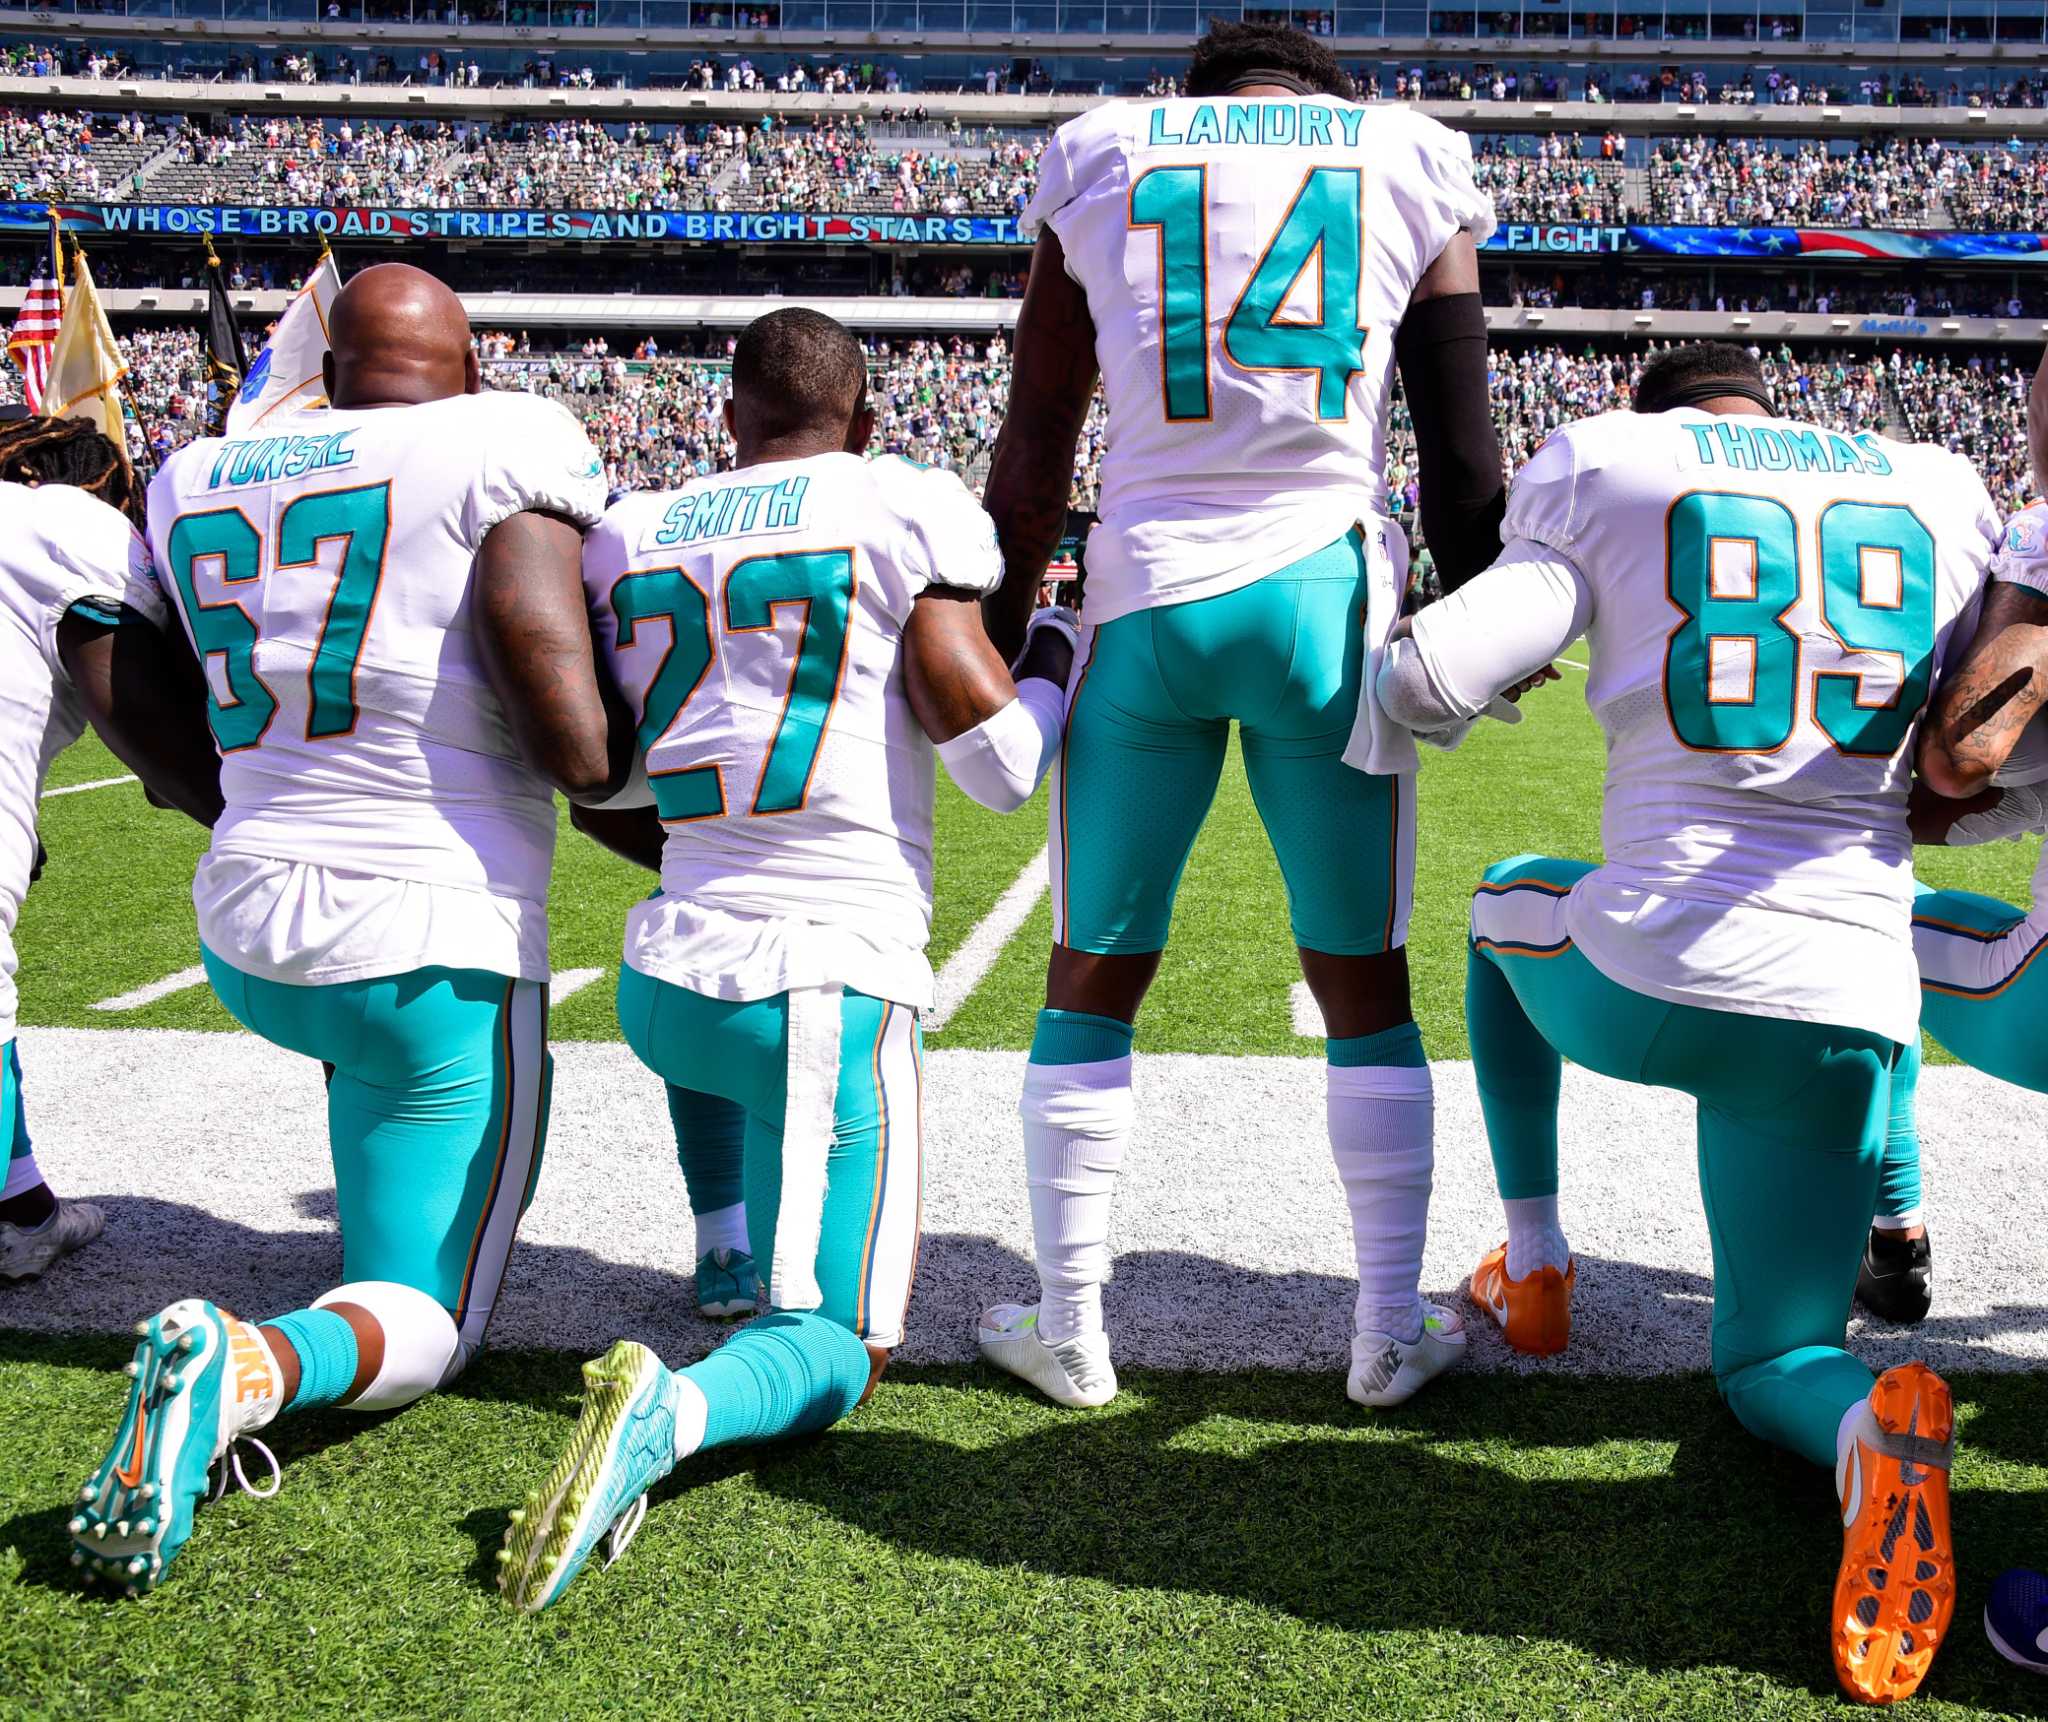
[{"x": 35, "y": 332}]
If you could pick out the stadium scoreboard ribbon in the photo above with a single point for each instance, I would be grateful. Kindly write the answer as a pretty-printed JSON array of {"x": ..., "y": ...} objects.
[{"x": 883, "y": 231}]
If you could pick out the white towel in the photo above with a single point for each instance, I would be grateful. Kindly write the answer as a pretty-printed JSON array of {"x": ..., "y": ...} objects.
[
  {"x": 1379, "y": 745},
  {"x": 807, "y": 1124}
]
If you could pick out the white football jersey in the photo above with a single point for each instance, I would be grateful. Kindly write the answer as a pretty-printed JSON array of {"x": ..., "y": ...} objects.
[
  {"x": 57, "y": 546},
  {"x": 323, "y": 575},
  {"x": 1768, "y": 608},
  {"x": 1246, "y": 263},
  {"x": 2022, "y": 559},
  {"x": 755, "y": 621}
]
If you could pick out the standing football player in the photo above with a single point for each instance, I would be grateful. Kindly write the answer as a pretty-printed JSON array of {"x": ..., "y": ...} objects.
[
  {"x": 1765, "y": 606},
  {"x": 388, "y": 602},
  {"x": 67, "y": 553},
  {"x": 797, "y": 635},
  {"x": 1244, "y": 265}
]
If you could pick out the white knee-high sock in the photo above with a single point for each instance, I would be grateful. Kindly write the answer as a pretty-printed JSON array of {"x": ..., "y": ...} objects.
[
  {"x": 1382, "y": 1136},
  {"x": 1077, "y": 1118}
]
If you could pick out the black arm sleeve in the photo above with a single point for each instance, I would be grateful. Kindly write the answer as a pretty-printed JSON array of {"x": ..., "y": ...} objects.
[{"x": 1441, "y": 349}]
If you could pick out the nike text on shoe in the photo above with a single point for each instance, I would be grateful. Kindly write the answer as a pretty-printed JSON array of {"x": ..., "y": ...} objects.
[
  {"x": 1386, "y": 1371},
  {"x": 1895, "y": 1593},
  {"x": 26, "y": 1251},
  {"x": 725, "y": 1284},
  {"x": 1896, "y": 1281},
  {"x": 625, "y": 1443},
  {"x": 2016, "y": 1618},
  {"x": 1074, "y": 1372},
  {"x": 1534, "y": 1313},
  {"x": 182, "y": 1414}
]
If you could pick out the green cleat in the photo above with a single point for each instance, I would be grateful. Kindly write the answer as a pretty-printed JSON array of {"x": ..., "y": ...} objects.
[{"x": 625, "y": 1443}]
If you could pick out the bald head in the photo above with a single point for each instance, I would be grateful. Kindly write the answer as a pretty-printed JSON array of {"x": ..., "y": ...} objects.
[{"x": 398, "y": 338}]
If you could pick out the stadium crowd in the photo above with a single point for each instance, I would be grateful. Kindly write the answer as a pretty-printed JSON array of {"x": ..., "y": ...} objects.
[
  {"x": 1705, "y": 181},
  {"x": 656, "y": 415}
]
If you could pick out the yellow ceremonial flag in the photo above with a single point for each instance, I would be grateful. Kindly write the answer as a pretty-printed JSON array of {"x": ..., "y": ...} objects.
[{"x": 85, "y": 364}]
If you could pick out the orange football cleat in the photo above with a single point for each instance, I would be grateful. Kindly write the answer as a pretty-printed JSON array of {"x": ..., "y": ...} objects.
[
  {"x": 1896, "y": 1591},
  {"x": 1535, "y": 1311}
]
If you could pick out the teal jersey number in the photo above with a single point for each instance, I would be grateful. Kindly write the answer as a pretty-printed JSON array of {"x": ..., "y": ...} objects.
[
  {"x": 1734, "y": 570},
  {"x": 1877, "y": 594},
  {"x": 821, "y": 581},
  {"x": 224, "y": 630},
  {"x": 670, "y": 595},
  {"x": 1322, "y": 228},
  {"x": 362, "y": 518},
  {"x": 1175, "y": 200}
]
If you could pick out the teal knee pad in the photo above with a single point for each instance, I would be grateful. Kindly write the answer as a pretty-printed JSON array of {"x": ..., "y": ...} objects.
[
  {"x": 1075, "y": 1037},
  {"x": 326, "y": 1347},
  {"x": 1400, "y": 1045},
  {"x": 789, "y": 1373},
  {"x": 711, "y": 1134}
]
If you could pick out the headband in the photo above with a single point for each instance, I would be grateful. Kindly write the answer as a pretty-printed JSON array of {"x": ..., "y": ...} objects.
[
  {"x": 1269, "y": 75},
  {"x": 1693, "y": 393}
]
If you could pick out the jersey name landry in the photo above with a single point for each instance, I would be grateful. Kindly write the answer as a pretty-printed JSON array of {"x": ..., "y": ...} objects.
[
  {"x": 270, "y": 458},
  {"x": 1767, "y": 448},
  {"x": 1280, "y": 124},
  {"x": 719, "y": 510}
]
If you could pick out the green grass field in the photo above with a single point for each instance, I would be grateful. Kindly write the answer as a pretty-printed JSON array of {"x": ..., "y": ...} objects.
[{"x": 1212, "y": 1545}]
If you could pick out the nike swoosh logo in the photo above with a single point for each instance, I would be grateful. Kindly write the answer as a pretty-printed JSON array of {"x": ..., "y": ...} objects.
[
  {"x": 1852, "y": 1496},
  {"x": 129, "y": 1476},
  {"x": 1497, "y": 1301}
]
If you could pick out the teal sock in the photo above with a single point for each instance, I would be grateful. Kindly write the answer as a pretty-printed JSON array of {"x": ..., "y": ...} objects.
[
  {"x": 1075, "y": 1037},
  {"x": 1898, "y": 1182},
  {"x": 788, "y": 1373},
  {"x": 326, "y": 1347},
  {"x": 711, "y": 1136},
  {"x": 1519, "y": 1075},
  {"x": 1400, "y": 1045},
  {"x": 1798, "y": 1401}
]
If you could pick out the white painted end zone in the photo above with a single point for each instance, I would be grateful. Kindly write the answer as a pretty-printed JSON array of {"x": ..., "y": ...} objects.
[
  {"x": 209, "y": 1152},
  {"x": 567, "y": 983}
]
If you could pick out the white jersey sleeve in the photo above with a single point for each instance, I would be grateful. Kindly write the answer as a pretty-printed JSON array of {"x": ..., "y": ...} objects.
[
  {"x": 1245, "y": 263},
  {"x": 536, "y": 456},
  {"x": 74, "y": 547},
  {"x": 2022, "y": 558},
  {"x": 948, "y": 538}
]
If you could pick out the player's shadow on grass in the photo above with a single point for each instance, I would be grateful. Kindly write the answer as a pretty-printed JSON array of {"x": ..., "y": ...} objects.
[{"x": 1688, "y": 1543}]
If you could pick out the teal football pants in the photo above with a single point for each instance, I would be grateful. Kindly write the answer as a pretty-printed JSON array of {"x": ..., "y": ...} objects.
[
  {"x": 436, "y": 1116},
  {"x": 21, "y": 1166},
  {"x": 1148, "y": 725},
  {"x": 1791, "y": 1126},
  {"x": 867, "y": 1243}
]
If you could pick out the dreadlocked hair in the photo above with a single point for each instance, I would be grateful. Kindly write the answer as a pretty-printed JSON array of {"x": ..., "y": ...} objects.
[
  {"x": 69, "y": 451},
  {"x": 1231, "y": 49}
]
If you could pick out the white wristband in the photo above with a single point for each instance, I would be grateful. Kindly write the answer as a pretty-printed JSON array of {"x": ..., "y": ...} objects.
[{"x": 1003, "y": 759}]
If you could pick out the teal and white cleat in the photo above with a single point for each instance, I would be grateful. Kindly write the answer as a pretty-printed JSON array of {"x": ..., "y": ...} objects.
[
  {"x": 135, "y": 1514},
  {"x": 624, "y": 1444},
  {"x": 725, "y": 1284},
  {"x": 1075, "y": 1372},
  {"x": 1388, "y": 1371}
]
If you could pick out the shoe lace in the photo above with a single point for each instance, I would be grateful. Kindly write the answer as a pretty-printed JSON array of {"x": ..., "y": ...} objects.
[
  {"x": 231, "y": 1465},
  {"x": 624, "y": 1529}
]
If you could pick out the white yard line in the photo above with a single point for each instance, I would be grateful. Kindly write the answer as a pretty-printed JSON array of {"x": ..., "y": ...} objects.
[
  {"x": 1307, "y": 1014},
  {"x": 965, "y": 968},
  {"x": 567, "y": 983},
  {"x": 81, "y": 788},
  {"x": 1572, "y": 662},
  {"x": 177, "y": 983}
]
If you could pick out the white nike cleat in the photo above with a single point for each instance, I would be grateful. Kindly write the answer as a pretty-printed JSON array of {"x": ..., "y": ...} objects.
[
  {"x": 1074, "y": 1372},
  {"x": 26, "y": 1251},
  {"x": 1388, "y": 1371}
]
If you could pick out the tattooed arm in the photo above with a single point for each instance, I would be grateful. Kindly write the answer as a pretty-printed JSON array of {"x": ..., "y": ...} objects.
[
  {"x": 1992, "y": 696},
  {"x": 1031, "y": 475},
  {"x": 564, "y": 711}
]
